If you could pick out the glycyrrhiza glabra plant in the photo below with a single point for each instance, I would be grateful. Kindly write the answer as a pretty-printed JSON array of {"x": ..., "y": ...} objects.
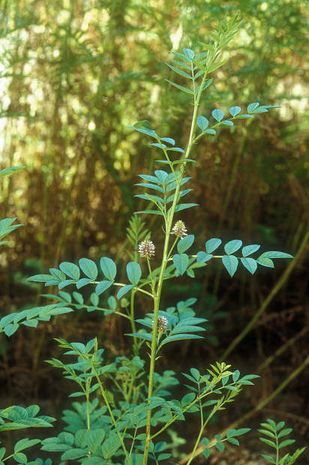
[{"x": 127, "y": 412}]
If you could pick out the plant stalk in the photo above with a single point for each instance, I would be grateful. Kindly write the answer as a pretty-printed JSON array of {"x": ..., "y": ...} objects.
[{"x": 157, "y": 297}]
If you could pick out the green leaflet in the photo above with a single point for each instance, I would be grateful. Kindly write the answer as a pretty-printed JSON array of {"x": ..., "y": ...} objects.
[
  {"x": 74, "y": 454},
  {"x": 89, "y": 268},
  {"x": 232, "y": 246},
  {"x": 203, "y": 257},
  {"x": 202, "y": 123},
  {"x": 212, "y": 244},
  {"x": 83, "y": 282},
  {"x": 180, "y": 337},
  {"x": 145, "y": 128},
  {"x": 186, "y": 90},
  {"x": 218, "y": 115},
  {"x": 103, "y": 286},
  {"x": 7, "y": 225},
  {"x": 230, "y": 263},
  {"x": 185, "y": 206},
  {"x": 234, "y": 111},
  {"x": 25, "y": 444},
  {"x": 181, "y": 262},
  {"x": 142, "y": 335},
  {"x": 250, "y": 264},
  {"x": 149, "y": 212},
  {"x": 275, "y": 254},
  {"x": 134, "y": 273},
  {"x": 40, "y": 278},
  {"x": 185, "y": 243},
  {"x": 179, "y": 71},
  {"x": 264, "y": 261},
  {"x": 250, "y": 249},
  {"x": 70, "y": 269},
  {"x": 108, "y": 268},
  {"x": 188, "y": 54},
  {"x": 124, "y": 290},
  {"x": 110, "y": 446},
  {"x": 11, "y": 170}
]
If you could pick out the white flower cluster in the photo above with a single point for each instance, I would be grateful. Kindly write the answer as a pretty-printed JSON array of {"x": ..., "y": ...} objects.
[{"x": 147, "y": 249}]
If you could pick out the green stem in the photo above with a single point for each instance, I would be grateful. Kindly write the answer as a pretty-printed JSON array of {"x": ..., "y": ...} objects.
[
  {"x": 132, "y": 321},
  {"x": 277, "y": 450},
  {"x": 261, "y": 405},
  {"x": 184, "y": 410},
  {"x": 133, "y": 441},
  {"x": 152, "y": 280},
  {"x": 88, "y": 409},
  {"x": 172, "y": 248},
  {"x": 199, "y": 437},
  {"x": 123, "y": 315},
  {"x": 136, "y": 288},
  {"x": 157, "y": 297},
  {"x": 104, "y": 396}
]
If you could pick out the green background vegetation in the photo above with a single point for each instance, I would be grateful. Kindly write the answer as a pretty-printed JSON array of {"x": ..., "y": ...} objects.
[{"x": 73, "y": 76}]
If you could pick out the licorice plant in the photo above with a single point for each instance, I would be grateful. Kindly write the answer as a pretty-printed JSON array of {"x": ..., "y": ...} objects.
[{"x": 126, "y": 410}]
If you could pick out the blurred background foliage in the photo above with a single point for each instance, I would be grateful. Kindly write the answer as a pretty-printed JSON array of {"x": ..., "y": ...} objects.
[{"x": 74, "y": 75}]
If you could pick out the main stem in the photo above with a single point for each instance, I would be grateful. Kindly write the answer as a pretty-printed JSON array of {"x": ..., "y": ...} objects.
[{"x": 157, "y": 295}]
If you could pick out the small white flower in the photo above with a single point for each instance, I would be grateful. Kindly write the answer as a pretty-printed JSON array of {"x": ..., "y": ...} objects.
[
  {"x": 147, "y": 249},
  {"x": 162, "y": 324},
  {"x": 179, "y": 229}
]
